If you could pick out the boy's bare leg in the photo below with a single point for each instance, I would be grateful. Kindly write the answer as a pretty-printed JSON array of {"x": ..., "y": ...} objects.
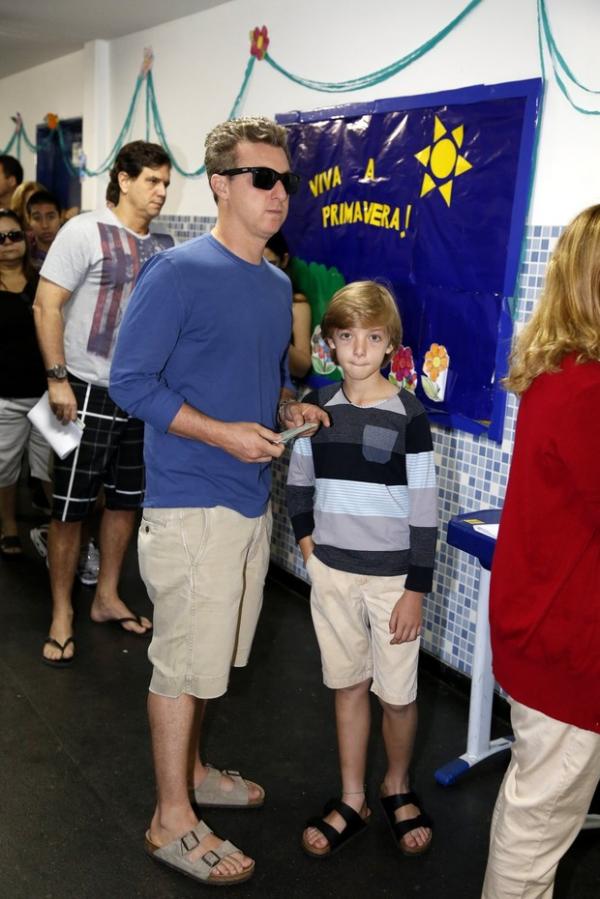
[
  {"x": 63, "y": 555},
  {"x": 196, "y": 770},
  {"x": 399, "y": 728},
  {"x": 116, "y": 529},
  {"x": 353, "y": 722},
  {"x": 172, "y": 725}
]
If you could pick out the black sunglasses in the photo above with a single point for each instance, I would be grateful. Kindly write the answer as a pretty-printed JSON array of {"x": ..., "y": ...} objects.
[
  {"x": 11, "y": 236},
  {"x": 266, "y": 179}
]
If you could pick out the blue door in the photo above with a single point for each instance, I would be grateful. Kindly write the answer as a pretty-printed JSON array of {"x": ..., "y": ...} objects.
[{"x": 52, "y": 169}]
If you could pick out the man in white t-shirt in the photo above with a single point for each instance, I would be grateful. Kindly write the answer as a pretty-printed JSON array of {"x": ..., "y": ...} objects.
[{"x": 85, "y": 284}]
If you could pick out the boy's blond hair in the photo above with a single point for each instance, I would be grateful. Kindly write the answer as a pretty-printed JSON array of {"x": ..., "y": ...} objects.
[
  {"x": 363, "y": 304},
  {"x": 567, "y": 316}
]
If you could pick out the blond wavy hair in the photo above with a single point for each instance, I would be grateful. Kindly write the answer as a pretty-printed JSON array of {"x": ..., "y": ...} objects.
[
  {"x": 221, "y": 143},
  {"x": 567, "y": 316},
  {"x": 363, "y": 304}
]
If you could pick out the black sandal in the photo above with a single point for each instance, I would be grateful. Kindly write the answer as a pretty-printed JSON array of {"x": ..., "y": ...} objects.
[
  {"x": 401, "y": 828},
  {"x": 336, "y": 839}
]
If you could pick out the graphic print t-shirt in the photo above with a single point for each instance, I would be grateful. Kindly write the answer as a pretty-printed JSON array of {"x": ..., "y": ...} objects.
[{"x": 96, "y": 258}]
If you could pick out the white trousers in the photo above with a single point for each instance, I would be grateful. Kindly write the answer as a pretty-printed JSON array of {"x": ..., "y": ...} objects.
[{"x": 541, "y": 806}]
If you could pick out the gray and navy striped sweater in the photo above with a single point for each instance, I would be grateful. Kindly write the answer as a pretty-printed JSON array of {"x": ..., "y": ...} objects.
[{"x": 365, "y": 488}]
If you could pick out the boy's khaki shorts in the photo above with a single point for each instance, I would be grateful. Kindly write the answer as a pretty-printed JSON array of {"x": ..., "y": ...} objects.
[
  {"x": 204, "y": 570},
  {"x": 351, "y": 614}
]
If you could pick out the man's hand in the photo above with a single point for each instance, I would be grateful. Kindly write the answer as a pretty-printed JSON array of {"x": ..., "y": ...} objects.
[
  {"x": 292, "y": 415},
  {"x": 250, "y": 442},
  {"x": 62, "y": 400},
  {"x": 406, "y": 620}
]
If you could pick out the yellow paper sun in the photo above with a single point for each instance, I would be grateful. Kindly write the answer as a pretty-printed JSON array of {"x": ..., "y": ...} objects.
[{"x": 442, "y": 160}]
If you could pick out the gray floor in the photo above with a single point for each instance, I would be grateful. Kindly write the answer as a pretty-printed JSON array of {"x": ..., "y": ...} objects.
[{"x": 76, "y": 775}]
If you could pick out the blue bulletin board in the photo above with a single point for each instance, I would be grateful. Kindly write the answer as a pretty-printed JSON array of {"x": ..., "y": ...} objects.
[{"x": 428, "y": 194}]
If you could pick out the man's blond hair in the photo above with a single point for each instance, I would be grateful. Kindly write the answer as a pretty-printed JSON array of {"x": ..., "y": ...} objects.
[{"x": 221, "y": 143}]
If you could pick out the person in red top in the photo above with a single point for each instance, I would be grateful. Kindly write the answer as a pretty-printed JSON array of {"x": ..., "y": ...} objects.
[{"x": 545, "y": 587}]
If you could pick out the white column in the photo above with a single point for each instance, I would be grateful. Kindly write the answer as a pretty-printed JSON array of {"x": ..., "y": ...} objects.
[{"x": 96, "y": 119}]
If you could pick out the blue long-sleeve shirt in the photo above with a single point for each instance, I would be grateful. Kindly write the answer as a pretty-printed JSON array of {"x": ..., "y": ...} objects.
[{"x": 209, "y": 329}]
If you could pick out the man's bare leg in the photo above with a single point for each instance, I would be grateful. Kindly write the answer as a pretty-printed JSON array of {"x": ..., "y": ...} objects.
[
  {"x": 399, "y": 728},
  {"x": 196, "y": 770},
  {"x": 8, "y": 513},
  {"x": 172, "y": 726},
  {"x": 116, "y": 528},
  {"x": 353, "y": 722},
  {"x": 63, "y": 555},
  {"x": 47, "y": 488}
]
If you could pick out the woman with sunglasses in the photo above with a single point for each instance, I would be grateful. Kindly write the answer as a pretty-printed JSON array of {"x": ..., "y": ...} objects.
[{"x": 22, "y": 376}]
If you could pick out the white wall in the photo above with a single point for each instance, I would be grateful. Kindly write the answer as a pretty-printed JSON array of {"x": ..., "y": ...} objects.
[
  {"x": 200, "y": 61},
  {"x": 52, "y": 87}
]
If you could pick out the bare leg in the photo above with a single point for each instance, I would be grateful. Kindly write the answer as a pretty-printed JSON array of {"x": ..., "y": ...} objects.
[
  {"x": 399, "y": 729},
  {"x": 197, "y": 771},
  {"x": 172, "y": 726},
  {"x": 47, "y": 488},
  {"x": 353, "y": 721},
  {"x": 116, "y": 529},
  {"x": 63, "y": 553},
  {"x": 8, "y": 507}
]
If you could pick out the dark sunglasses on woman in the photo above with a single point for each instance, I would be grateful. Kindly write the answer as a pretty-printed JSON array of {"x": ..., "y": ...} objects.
[
  {"x": 11, "y": 236},
  {"x": 265, "y": 179}
]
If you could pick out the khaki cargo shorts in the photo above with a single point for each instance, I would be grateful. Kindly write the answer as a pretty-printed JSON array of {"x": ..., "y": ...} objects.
[
  {"x": 351, "y": 614},
  {"x": 204, "y": 570}
]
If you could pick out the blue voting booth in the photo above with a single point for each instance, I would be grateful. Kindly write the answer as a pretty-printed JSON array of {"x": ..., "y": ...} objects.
[{"x": 467, "y": 532}]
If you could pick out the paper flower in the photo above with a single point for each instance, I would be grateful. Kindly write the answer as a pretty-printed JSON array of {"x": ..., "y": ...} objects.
[
  {"x": 322, "y": 362},
  {"x": 402, "y": 368},
  {"x": 436, "y": 361},
  {"x": 51, "y": 120},
  {"x": 435, "y": 372},
  {"x": 147, "y": 62},
  {"x": 259, "y": 42}
]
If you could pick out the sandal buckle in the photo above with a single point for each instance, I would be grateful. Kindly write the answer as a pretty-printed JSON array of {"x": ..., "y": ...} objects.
[
  {"x": 231, "y": 773},
  {"x": 192, "y": 838},
  {"x": 211, "y": 858}
]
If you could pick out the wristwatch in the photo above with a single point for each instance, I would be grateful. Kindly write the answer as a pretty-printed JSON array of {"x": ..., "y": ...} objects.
[{"x": 58, "y": 372}]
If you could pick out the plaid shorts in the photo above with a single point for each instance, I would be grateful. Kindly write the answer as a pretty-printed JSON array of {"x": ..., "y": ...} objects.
[{"x": 111, "y": 454}]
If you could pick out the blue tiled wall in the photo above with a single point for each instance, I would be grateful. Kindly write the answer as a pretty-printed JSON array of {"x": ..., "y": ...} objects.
[{"x": 472, "y": 474}]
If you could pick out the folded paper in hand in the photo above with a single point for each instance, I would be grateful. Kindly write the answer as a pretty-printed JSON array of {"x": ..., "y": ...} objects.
[{"x": 63, "y": 438}]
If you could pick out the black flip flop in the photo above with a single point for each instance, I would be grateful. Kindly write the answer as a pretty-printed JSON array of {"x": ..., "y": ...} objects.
[
  {"x": 62, "y": 662},
  {"x": 138, "y": 620},
  {"x": 119, "y": 622},
  {"x": 12, "y": 542}
]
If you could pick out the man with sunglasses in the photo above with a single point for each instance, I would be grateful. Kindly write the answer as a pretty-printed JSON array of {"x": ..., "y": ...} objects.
[{"x": 207, "y": 379}]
